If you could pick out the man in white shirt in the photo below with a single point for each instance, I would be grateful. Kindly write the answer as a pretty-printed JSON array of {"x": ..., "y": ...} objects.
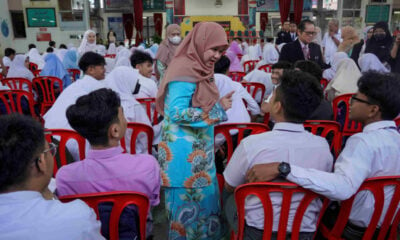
[
  {"x": 143, "y": 62},
  {"x": 9, "y": 55},
  {"x": 371, "y": 153},
  {"x": 331, "y": 40},
  {"x": 27, "y": 208},
  {"x": 293, "y": 101}
]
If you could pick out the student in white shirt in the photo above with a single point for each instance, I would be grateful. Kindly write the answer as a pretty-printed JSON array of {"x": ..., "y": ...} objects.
[
  {"x": 293, "y": 101},
  {"x": 143, "y": 62},
  {"x": 28, "y": 209},
  {"x": 371, "y": 153},
  {"x": 331, "y": 40},
  {"x": 9, "y": 55}
]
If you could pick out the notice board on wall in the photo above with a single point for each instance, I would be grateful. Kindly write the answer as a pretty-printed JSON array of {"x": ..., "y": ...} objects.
[{"x": 41, "y": 17}]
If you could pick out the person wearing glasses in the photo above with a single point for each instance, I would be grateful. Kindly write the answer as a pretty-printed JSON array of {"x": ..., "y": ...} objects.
[
  {"x": 27, "y": 207},
  {"x": 373, "y": 152},
  {"x": 303, "y": 48}
]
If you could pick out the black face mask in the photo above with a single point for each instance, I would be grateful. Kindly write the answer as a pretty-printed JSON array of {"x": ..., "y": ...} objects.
[
  {"x": 137, "y": 88},
  {"x": 379, "y": 36}
]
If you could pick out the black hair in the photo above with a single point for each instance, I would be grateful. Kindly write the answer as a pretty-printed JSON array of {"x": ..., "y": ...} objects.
[
  {"x": 299, "y": 94},
  {"x": 91, "y": 59},
  {"x": 92, "y": 115},
  {"x": 382, "y": 89},
  {"x": 52, "y": 44},
  {"x": 9, "y": 51},
  {"x": 238, "y": 38},
  {"x": 139, "y": 57},
  {"x": 49, "y": 50},
  {"x": 21, "y": 142},
  {"x": 121, "y": 44},
  {"x": 282, "y": 65},
  {"x": 62, "y": 45},
  {"x": 309, "y": 67},
  {"x": 30, "y": 46},
  {"x": 302, "y": 24},
  {"x": 222, "y": 65}
]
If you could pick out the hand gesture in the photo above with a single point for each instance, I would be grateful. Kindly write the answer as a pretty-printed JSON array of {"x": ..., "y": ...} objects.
[{"x": 226, "y": 101}]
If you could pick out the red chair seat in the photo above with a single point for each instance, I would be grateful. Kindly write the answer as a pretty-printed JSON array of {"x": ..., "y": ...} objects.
[
  {"x": 136, "y": 129},
  {"x": 48, "y": 88}
]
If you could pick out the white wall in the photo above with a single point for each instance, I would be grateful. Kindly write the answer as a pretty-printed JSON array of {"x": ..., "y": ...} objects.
[
  {"x": 5, "y": 42},
  {"x": 207, "y": 7}
]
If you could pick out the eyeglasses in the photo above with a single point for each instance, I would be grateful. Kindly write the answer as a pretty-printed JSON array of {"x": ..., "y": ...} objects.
[
  {"x": 52, "y": 149},
  {"x": 354, "y": 98},
  {"x": 310, "y": 33}
]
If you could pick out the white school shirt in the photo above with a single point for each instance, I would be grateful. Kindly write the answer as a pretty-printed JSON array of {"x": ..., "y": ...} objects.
[
  {"x": 330, "y": 46},
  {"x": 6, "y": 61},
  {"x": 27, "y": 215},
  {"x": 148, "y": 88},
  {"x": 287, "y": 142},
  {"x": 260, "y": 76},
  {"x": 373, "y": 152}
]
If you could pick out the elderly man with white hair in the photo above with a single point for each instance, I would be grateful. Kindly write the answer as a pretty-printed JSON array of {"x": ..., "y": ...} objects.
[{"x": 331, "y": 40}]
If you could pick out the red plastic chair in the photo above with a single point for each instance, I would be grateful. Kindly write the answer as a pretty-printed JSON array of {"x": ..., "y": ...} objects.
[
  {"x": 323, "y": 83},
  {"x": 110, "y": 56},
  {"x": 33, "y": 66},
  {"x": 249, "y": 66},
  {"x": 36, "y": 72},
  {"x": 349, "y": 127},
  {"x": 254, "y": 87},
  {"x": 266, "y": 68},
  {"x": 266, "y": 118},
  {"x": 237, "y": 76},
  {"x": 149, "y": 103},
  {"x": 17, "y": 83},
  {"x": 136, "y": 129},
  {"x": 397, "y": 121},
  {"x": 74, "y": 73},
  {"x": 262, "y": 191},
  {"x": 48, "y": 88},
  {"x": 375, "y": 186},
  {"x": 120, "y": 200},
  {"x": 240, "y": 56},
  {"x": 327, "y": 129},
  {"x": 64, "y": 136},
  {"x": 12, "y": 101}
]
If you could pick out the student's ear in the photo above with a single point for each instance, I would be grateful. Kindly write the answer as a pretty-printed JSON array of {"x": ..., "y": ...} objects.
[
  {"x": 42, "y": 165},
  {"x": 374, "y": 110},
  {"x": 276, "y": 107},
  {"x": 115, "y": 131}
]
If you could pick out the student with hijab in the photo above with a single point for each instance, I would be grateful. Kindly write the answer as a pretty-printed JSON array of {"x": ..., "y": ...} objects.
[
  {"x": 252, "y": 55},
  {"x": 232, "y": 53},
  {"x": 53, "y": 67},
  {"x": 369, "y": 62},
  {"x": 88, "y": 43},
  {"x": 19, "y": 68},
  {"x": 167, "y": 50},
  {"x": 112, "y": 49},
  {"x": 381, "y": 43},
  {"x": 329, "y": 73},
  {"x": 35, "y": 57},
  {"x": 349, "y": 39},
  {"x": 359, "y": 48},
  {"x": 70, "y": 59},
  {"x": 190, "y": 103},
  {"x": 345, "y": 80},
  {"x": 270, "y": 55}
]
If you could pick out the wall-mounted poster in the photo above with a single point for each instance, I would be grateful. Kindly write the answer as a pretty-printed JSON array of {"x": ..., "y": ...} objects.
[
  {"x": 118, "y": 5},
  {"x": 377, "y": 13},
  {"x": 273, "y": 5},
  {"x": 41, "y": 17}
]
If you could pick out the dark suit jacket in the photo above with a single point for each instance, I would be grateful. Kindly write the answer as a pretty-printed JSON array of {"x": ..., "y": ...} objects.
[
  {"x": 293, "y": 52},
  {"x": 283, "y": 37}
]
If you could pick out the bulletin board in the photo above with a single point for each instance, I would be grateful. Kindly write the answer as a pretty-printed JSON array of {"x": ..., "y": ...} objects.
[{"x": 41, "y": 17}]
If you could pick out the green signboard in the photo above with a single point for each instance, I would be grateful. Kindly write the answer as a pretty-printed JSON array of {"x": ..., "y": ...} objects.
[
  {"x": 154, "y": 5},
  {"x": 377, "y": 13},
  {"x": 41, "y": 17}
]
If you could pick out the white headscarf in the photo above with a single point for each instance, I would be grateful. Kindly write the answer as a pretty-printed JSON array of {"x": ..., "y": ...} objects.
[
  {"x": 270, "y": 55},
  {"x": 101, "y": 49},
  {"x": 245, "y": 48},
  {"x": 124, "y": 53},
  {"x": 123, "y": 61},
  {"x": 85, "y": 45},
  {"x": 70, "y": 45},
  {"x": 119, "y": 48},
  {"x": 60, "y": 53},
  {"x": 251, "y": 55},
  {"x": 112, "y": 49},
  {"x": 35, "y": 57},
  {"x": 18, "y": 68},
  {"x": 345, "y": 80},
  {"x": 370, "y": 61},
  {"x": 259, "y": 51},
  {"x": 329, "y": 73},
  {"x": 148, "y": 51}
]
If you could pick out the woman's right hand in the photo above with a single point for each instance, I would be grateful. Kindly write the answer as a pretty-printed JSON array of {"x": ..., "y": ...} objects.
[{"x": 226, "y": 101}]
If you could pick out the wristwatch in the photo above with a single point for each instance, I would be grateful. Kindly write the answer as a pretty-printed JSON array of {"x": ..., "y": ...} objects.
[{"x": 284, "y": 169}]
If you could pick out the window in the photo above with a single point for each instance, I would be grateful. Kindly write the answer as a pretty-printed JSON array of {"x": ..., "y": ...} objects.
[
  {"x": 71, "y": 14},
  {"x": 18, "y": 23},
  {"x": 148, "y": 28}
]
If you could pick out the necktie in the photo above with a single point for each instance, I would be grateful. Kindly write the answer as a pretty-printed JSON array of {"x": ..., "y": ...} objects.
[
  {"x": 306, "y": 52},
  {"x": 292, "y": 36}
]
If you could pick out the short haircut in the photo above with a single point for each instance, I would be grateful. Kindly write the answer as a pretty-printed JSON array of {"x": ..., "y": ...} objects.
[
  {"x": 222, "y": 65},
  {"x": 91, "y": 59},
  {"x": 382, "y": 89},
  {"x": 62, "y": 45},
  {"x": 30, "y": 46},
  {"x": 9, "y": 51},
  {"x": 21, "y": 142},
  {"x": 309, "y": 67},
  {"x": 282, "y": 65},
  {"x": 52, "y": 44},
  {"x": 238, "y": 38},
  {"x": 49, "y": 50},
  {"x": 121, "y": 44},
  {"x": 302, "y": 24},
  {"x": 139, "y": 57},
  {"x": 299, "y": 94},
  {"x": 334, "y": 21},
  {"x": 92, "y": 115}
]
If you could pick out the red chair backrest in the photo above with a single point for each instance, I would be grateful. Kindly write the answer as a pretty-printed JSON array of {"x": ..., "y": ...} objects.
[
  {"x": 120, "y": 200},
  {"x": 323, "y": 83},
  {"x": 17, "y": 83},
  {"x": 48, "y": 88},
  {"x": 250, "y": 65},
  {"x": 262, "y": 191},
  {"x": 376, "y": 187},
  {"x": 110, "y": 55},
  {"x": 225, "y": 128},
  {"x": 33, "y": 66},
  {"x": 253, "y": 87},
  {"x": 329, "y": 130},
  {"x": 397, "y": 121},
  {"x": 349, "y": 127},
  {"x": 36, "y": 72},
  {"x": 74, "y": 73},
  {"x": 150, "y": 103},
  {"x": 266, "y": 118},
  {"x": 240, "y": 56},
  {"x": 266, "y": 68},
  {"x": 237, "y": 76},
  {"x": 136, "y": 129},
  {"x": 12, "y": 101},
  {"x": 64, "y": 136}
]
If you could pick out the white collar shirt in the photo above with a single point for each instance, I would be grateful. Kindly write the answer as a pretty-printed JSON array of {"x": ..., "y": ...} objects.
[
  {"x": 330, "y": 46},
  {"x": 148, "y": 87}
]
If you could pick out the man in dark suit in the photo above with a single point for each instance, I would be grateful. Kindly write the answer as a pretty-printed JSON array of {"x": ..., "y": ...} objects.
[
  {"x": 303, "y": 48},
  {"x": 284, "y": 35},
  {"x": 293, "y": 31}
]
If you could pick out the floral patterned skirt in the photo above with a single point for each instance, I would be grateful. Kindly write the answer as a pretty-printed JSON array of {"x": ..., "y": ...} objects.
[{"x": 194, "y": 213}]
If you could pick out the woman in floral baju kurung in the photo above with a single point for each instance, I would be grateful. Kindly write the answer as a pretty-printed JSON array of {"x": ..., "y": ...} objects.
[{"x": 188, "y": 98}]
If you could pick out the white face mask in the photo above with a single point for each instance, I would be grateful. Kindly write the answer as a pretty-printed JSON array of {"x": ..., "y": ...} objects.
[{"x": 175, "y": 40}]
